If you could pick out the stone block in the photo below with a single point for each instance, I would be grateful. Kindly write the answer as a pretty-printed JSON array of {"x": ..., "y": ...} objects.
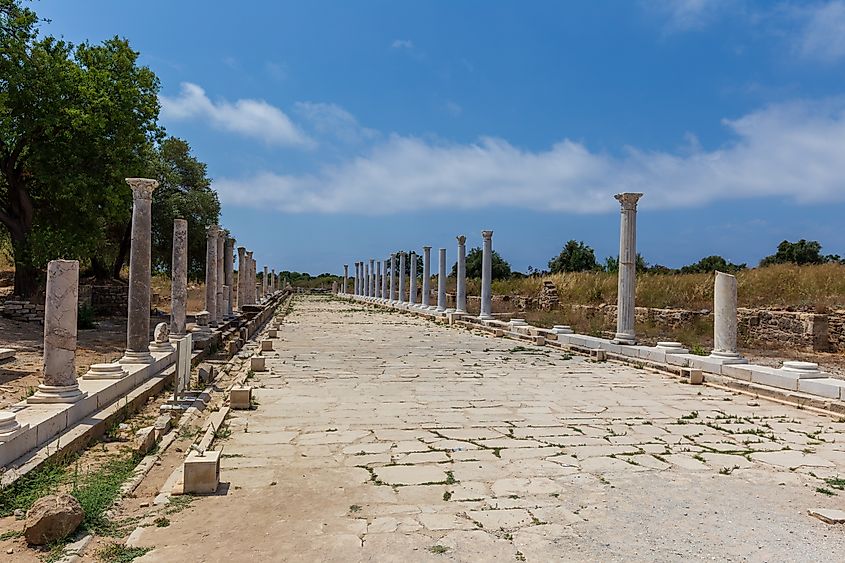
[
  {"x": 162, "y": 425},
  {"x": 693, "y": 375},
  {"x": 738, "y": 371},
  {"x": 258, "y": 363},
  {"x": 828, "y": 515},
  {"x": 598, "y": 355},
  {"x": 201, "y": 474},
  {"x": 145, "y": 439},
  {"x": 706, "y": 363},
  {"x": 240, "y": 397},
  {"x": 266, "y": 345},
  {"x": 823, "y": 387},
  {"x": 774, "y": 378},
  {"x": 652, "y": 354},
  {"x": 272, "y": 333},
  {"x": 6, "y": 353}
]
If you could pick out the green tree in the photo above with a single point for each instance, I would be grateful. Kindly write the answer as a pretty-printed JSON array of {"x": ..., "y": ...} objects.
[
  {"x": 801, "y": 252},
  {"x": 575, "y": 257},
  {"x": 611, "y": 264},
  {"x": 500, "y": 268},
  {"x": 710, "y": 264},
  {"x": 74, "y": 122}
]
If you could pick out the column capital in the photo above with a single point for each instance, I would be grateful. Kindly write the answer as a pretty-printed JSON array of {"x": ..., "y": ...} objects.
[
  {"x": 212, "y": 231},
  {"x": 426, "y": 248},
  {"x": 487, "y": 235},
  {"x": 628, "y": 200},
  {"x": 142, "y": 188},
  {"x": 462, "y": 240}
]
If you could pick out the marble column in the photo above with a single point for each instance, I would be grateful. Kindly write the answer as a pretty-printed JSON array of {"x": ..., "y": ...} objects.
[
  {"x": 357, "y": 278},
  {"x": 401, "y": 277},
  {"x": 384, "y": 296},
  {"x": 426, "y": 281},
  {"x": 627, "y": 276},
  {"x": 367, "y": 275},
  {"x": 250, "y": 282},
  {"x": 221, "y": 273},
  {"x": 179, "y": 279},
  {"x": 242, "y": 270},
  {"x": 345, "y": 279},
  {"x": 229, "y": 275},
  {"x": 140, "y": 270},
  {"x": 461, "y": 289},
  {"x": 412, "y": 292},
  {"x": 372, "y": 282},
  {"x": 392, "y": 298},
  {"x": 441, "y": 282},
  {"x": 273, "y": 287},
  {"x": 60, "y": 309},
  {"x": 211, "y": 274},
  {"x": 487, "y": 276},
  {"x": 724, "y": 320},
  {"x": 377, "y": 281},
  {"x": 265, "y": 281}
]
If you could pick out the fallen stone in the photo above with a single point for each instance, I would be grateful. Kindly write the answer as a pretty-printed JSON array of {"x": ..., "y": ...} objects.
[
  {"x": 828, "y": 515},
  {"x": 52, "y": 518}
]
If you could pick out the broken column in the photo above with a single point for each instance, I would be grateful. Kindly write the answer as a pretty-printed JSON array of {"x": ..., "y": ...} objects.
[
  {"x": 219, "y": 303},
  {"x": 724, "y": 320},
  {"x": 229, "y": 275},
  {"x": 211, "y": 274},
  {"x": 138, "y": 321},
  {"x": 241, "y": 277},
  {"x": 412, "y": 292},
  {"x": 627, "y": 276},
  {"x": 441, "y": 282},
  {"x": 426, "y": 281},
  {"x": 487, "y": 276},
  {"x": 461, "y": 288},
  {"x": 60, "y": 310},
  {"x": 179, "y": 279}
]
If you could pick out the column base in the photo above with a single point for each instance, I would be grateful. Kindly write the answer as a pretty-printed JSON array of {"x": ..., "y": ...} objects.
[
  {"x": 161, "y": 347},
  {"x": 56, "y": 394},
  {"x": 176, "y": 337},
  {"x": 106, "y": 371},
  {"x": 9, "y": 427},
  {"x": 624, "y": 339},
  {"x": 485, "y": 317},
  {"x": 137, "y": 357},
  {"x": 727, "y": 357}
]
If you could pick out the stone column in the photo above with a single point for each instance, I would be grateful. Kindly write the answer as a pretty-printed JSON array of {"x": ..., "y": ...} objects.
[
  {"x": 372, "y": 282},
  {"x": 724, "y": 320},
  {"x": 345, "y": 279},
  {"x": 487, "y": 276},
  {"x": 412, "y": 292},
  {"x": 138, "y": 321},
  {"x": 392, "y": 297},
  {"x": 265, "y": 279},
  {"x": 229, "y": 274},
  {"x": 179, "y": 279},
  {"x": 384, "y": 296},
  {"x": 357, "y": 277},
  {"x": 627, "y": 276},
  {"x": 211, "y": 274},
  {"x": 250, "y": 278},
  {"x": 273, "y": 287},
  {"x": 461, "y": 289},
  {"x": 242, "y": 272},
  {"x": 401, "y": 277},
  {"x": 441, "y": 283},
  {"x": 60, "y": 308},
  {"x": 367, "y": 274},
  {"x": 221, "y": 273},
  {"x": 378, "y": 279},
  {"x": 426, "y": 281}
]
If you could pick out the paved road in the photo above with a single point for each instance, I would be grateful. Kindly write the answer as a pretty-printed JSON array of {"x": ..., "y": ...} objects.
[{"x": 383, "y": 437}]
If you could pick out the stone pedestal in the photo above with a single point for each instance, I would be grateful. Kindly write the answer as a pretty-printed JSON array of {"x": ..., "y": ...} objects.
[
  {"x": 59, "y": 384},
  {"x": 412, "y": 292},
  {"x": 487, "y": 276},
  {"x": 242, "y": 272},
  {"x": 138, "y": 321},
  {"x": 258, "y": 363},
  {"x": 179, "y": 278},
  {"x": 201, "y": 474},
  {"x": 627, "y": 277},
  {"x": 461, "y": 287},
  {"x": 401, "y": 277},
  {"x": 240, "y": 397},
  {"x": 426, "y": 281},
  {"x": 724, "y": 320}
]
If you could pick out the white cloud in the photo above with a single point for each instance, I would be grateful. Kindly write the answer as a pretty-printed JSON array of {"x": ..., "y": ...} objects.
[
  {"x": 333, "y": 120},
  {"x": 402, "y": 44},
  {"x": 822, "y": 36},
  {"x": 454, "y": 108},
  {"x": 684, "y": 15},
  {"x": 251, "y": 118},
  {"x": 791, "y": 151}
]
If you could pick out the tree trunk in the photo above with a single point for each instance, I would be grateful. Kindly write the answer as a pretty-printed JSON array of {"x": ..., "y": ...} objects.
[
  {"x": 122, "y": 251},
  {"x": 26, "y": 275}
]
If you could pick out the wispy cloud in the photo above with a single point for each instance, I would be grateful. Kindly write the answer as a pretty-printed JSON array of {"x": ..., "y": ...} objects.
[
  {"x": 334, "y": 121},
  {"x": 402, "y": 44},
  {"x": 822, "y": 35},
  {"x": 685, "y": 15},
  {"x": 454, "y": 108},
  {"x": 791, "y": 151},
  {"x": 247, "y": 117}
]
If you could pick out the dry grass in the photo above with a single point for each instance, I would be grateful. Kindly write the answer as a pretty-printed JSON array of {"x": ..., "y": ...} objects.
[{"x": 784, "y": 285}]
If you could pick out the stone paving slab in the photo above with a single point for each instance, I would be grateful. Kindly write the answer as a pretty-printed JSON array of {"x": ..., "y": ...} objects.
[{"x": 380, "y": 436}]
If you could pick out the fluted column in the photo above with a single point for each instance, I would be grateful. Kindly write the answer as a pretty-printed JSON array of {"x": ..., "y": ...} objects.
[
  {"x": 412, "y": 292},
  {"x": 345, "y": 279},
  {"x": 461, "y": 288},
  {"x": 179, "y": 279},
  {"x": 426, "y": 281},
  {"x": 627, "y": 276},
  {"x": 392, "y": 297},
  {"x": 441, "y": 282},
  {"x": 229, "y": 275},
  {"x": 138, "y": 321},
  {"x": 724, "y": 320},
  {"x": 60, "y": 309},
  {"x": 487, "y": 276},
  {"x": 242, "y": 272}
]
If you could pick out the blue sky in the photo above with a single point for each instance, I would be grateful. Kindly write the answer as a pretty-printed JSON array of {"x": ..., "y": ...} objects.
[{"x": 337, "y": 131}]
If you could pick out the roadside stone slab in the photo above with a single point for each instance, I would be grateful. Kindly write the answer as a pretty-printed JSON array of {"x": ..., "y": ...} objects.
[{"x": 410, "y": 474}]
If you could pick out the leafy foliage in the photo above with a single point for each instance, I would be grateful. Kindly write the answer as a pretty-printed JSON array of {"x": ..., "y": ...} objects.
[
  {"x": 710, "y": 264},
  {"x": 500, "y": 268},
  {"x": 801, "y": 253},
  {"x": 611, "y": 264},
  {"x": 575, "y": 257}
]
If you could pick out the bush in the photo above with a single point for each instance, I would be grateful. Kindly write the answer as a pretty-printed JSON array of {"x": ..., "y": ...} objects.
[
  {"x": 575, "y": 257},
  {"x": 85, "y": 317}
]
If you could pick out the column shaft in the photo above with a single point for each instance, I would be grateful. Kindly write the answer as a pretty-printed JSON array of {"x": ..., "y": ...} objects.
[
  {"x": 412, "y": 292},
  {"x": 627, "y": 277},
  {"x": 441, "y": 282},
  {"x": 179, "y": 279},
  {"x": 461, "y": 289},
  {"x": 487, "y": 276},
  {"x": 426, "y": 281}
]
